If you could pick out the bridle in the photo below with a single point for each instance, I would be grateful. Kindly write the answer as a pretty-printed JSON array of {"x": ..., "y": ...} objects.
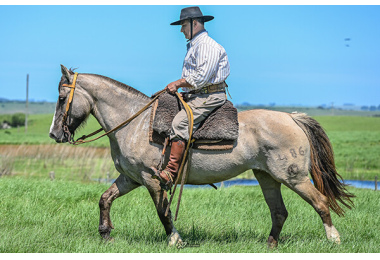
[{"x": 81, "y": 140}]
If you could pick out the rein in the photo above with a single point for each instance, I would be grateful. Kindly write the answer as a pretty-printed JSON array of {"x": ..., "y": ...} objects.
[{"x": 81, "y": 140}]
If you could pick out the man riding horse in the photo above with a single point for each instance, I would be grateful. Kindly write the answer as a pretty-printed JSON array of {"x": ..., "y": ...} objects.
[{"x": 204, "y": 72}]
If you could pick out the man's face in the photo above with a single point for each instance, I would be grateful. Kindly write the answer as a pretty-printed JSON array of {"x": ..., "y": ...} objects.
[{"x": 185, "y": 29}]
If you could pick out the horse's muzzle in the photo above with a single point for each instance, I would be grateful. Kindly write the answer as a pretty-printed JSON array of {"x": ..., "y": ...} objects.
[{"x": 58, "y": 139}]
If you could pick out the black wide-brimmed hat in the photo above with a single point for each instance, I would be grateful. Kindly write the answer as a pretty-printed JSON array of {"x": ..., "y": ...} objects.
[{"x": 192, "y": 12}]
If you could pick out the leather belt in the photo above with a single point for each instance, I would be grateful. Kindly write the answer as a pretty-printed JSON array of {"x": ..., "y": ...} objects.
[{"x": 210, "y": 89}]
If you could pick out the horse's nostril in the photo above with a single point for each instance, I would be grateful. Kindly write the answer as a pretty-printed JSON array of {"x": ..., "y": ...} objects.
[{"x": 52, "y": 136}]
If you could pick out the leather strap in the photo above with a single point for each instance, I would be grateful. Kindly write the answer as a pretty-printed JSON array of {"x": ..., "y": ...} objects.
[
  {"x": 190, "y": 118},
  {"x": 72, "y": 86}
]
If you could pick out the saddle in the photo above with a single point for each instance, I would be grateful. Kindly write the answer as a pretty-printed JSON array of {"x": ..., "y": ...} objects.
[{"x": 219, "y": 131}]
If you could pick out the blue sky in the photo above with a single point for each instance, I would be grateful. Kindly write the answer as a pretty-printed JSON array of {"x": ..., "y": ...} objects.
[{"x": 278, "y": 54}]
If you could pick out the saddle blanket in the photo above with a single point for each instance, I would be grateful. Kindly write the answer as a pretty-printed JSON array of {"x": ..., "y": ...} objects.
[{"x": 219, "y": 131}]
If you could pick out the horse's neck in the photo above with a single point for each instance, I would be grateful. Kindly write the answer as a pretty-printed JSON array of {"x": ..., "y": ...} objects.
[{"x": 114, "y": 103}]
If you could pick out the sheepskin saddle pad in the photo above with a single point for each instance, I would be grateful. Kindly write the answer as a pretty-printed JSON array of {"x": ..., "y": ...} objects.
[{"x": 219, "y": 131}]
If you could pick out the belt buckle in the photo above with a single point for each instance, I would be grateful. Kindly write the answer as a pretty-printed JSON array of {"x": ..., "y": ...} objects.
[{"x": 204, "y": 90}]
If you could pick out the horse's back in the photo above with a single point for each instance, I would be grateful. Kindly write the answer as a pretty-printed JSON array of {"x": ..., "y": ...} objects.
[{"x": 273, "y": 128}]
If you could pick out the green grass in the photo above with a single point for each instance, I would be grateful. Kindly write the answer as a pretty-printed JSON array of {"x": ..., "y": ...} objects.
[
  {"x": 62, "y": 216},
  {"x": 84, "y": 164},
  {"x": 356, "y": 143},
  {"x": 349, "y": 123},
  {"x": 13, "y": 107}
]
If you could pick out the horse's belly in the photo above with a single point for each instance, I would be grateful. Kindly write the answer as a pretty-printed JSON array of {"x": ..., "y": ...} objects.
[{"x": 213, "y": 168}]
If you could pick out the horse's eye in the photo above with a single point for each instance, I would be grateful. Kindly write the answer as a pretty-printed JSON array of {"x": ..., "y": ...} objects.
[{"x": 61, "y": 98}]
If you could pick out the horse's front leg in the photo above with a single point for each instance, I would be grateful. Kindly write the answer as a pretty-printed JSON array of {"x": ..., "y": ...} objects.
[
  {"x": 120, "y": 187},
  {"x": 161, "y": 202}
]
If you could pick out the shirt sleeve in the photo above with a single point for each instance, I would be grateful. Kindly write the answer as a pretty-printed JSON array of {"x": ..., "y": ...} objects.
[{"x": 207, "y": 58}]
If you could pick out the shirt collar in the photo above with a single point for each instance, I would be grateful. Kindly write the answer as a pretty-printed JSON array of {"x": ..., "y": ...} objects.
[{"x": 197, "y": 38}]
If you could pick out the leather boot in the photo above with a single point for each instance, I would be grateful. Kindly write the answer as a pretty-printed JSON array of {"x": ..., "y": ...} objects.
[{"x": 169, "y": 174}]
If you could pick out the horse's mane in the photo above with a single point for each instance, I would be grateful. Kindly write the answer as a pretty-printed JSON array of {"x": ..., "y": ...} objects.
[
  {"x": 117, "y": 83},
  {"x": 122, "y": 85}
]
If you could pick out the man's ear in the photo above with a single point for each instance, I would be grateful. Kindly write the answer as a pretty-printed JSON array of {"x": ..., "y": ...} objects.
[{"x": 65, "y": 72}]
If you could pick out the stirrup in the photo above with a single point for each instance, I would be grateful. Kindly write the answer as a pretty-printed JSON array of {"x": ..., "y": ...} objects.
[{"x": 166, "y": 185}]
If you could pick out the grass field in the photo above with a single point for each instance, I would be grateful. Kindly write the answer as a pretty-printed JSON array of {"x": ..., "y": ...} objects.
[
  {"x": 63, "y": 216},
  {"x": 356, "y": 143},
  {"x": 33, "y": 107}
]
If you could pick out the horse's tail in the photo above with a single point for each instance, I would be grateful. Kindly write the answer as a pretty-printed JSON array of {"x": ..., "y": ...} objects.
[{"x": 322, "y": 166}]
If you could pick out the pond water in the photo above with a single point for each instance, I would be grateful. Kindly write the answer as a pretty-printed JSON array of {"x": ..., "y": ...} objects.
[{"x": 248, "y": 182}]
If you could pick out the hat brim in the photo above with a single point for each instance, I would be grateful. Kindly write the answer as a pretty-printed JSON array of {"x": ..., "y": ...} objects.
[{"x": 206, "y": 18}]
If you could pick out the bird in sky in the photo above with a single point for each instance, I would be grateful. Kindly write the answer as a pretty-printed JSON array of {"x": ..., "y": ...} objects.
[{"x": 346, "y": 40}]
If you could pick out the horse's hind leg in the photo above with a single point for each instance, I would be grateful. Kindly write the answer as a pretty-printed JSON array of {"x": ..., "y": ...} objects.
[
  {"x": 319, "y": 202},
  {"x": 272, "y": 194},
  {"x": 120, "y": 187}
]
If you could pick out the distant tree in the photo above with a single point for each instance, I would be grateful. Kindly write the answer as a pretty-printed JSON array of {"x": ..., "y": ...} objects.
[
  {"x": 18, "y": 119},
  {"x": 364, "y": 108},
  {"x": 372, "y": 108}
]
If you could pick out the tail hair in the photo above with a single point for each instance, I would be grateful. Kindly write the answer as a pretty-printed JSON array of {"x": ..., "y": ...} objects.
[{"x": 322, "y": 166}]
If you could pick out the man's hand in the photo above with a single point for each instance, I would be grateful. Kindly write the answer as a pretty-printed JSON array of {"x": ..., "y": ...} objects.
[{"x": 175, "y": 85}]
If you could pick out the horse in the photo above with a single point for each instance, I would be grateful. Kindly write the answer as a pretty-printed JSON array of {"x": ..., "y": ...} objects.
[{"x": 280, "y": 148}]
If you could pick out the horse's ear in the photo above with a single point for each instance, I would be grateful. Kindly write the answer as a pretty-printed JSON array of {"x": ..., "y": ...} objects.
[{"x": 65, "y": 72}]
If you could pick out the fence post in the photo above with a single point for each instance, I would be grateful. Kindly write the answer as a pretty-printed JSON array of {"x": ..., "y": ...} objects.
[
  {"x": 375, "y": 182},
  {"x": 26, "y": 103},
  {"x": 52, "y": 175}
]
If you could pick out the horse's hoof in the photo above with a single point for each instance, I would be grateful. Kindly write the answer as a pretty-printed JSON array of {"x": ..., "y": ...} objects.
[
  {"x": 272, "y": 243},
  {"x": 332, "y": 234},
  {"x": 174, "y": 239},
  {"x": 104, "y": 232},
  {"x": 335, "y": 240}
]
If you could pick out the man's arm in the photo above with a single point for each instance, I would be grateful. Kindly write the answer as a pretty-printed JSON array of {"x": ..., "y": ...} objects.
[{"x": 175, "y": 85}]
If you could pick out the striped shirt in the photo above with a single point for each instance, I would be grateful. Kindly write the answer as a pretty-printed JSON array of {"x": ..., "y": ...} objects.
[{"x": 206, "y": 62}]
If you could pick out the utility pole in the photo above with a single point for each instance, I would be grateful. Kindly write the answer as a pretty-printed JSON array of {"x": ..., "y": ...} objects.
[{"x": 26, "y": 103}]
